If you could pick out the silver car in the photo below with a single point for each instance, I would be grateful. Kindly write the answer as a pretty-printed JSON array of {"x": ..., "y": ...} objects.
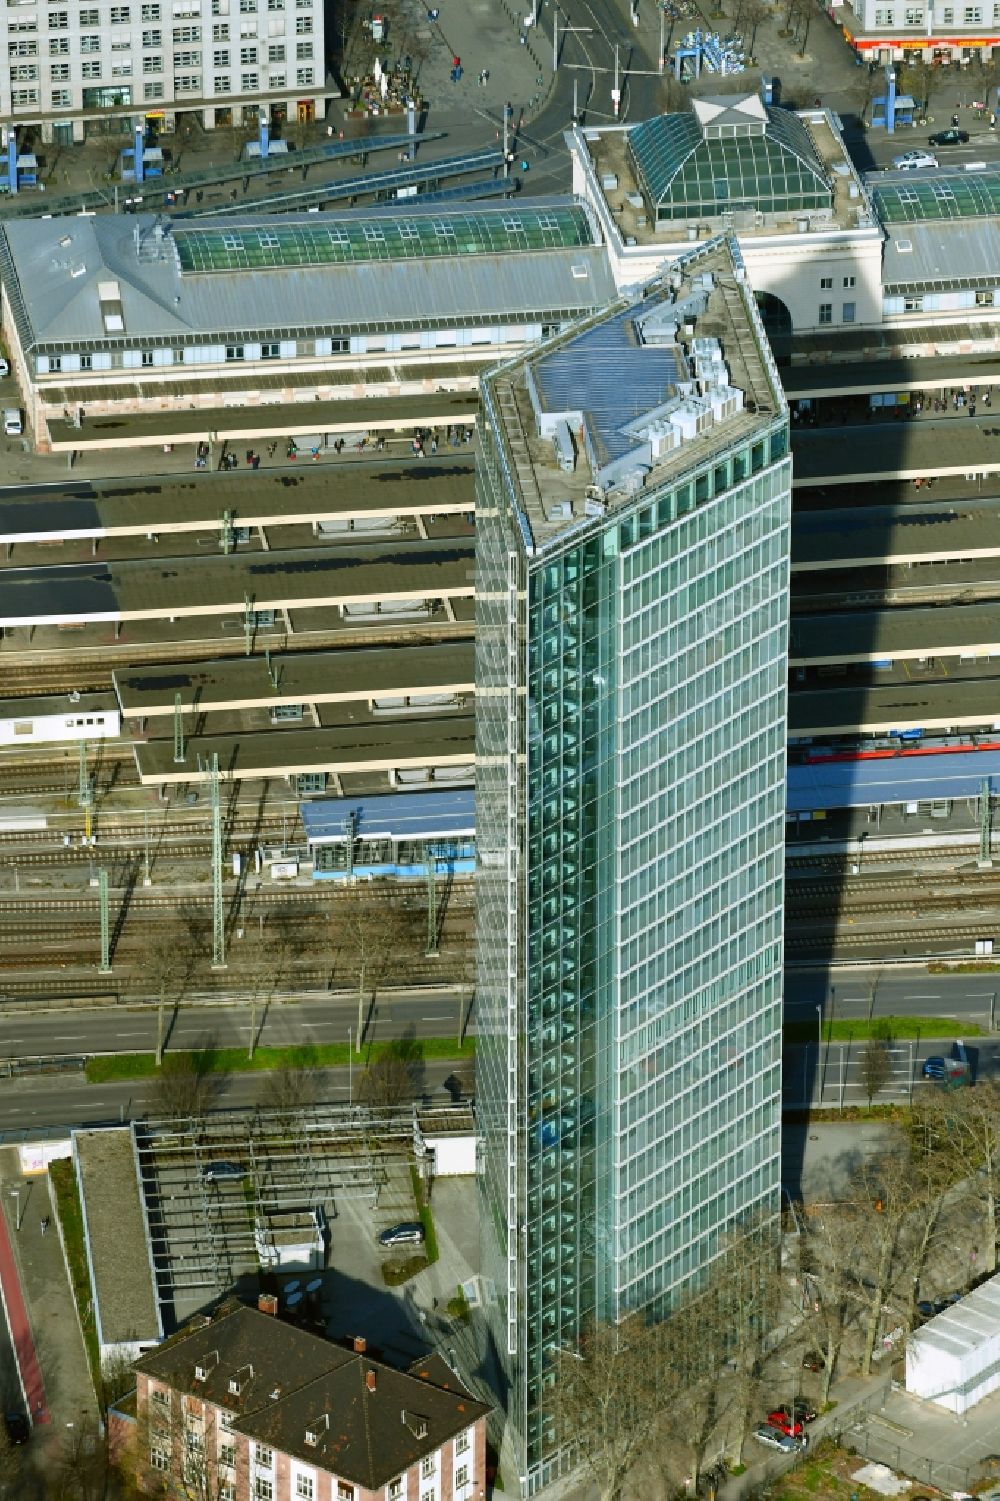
[{"x": 773, "y": 1438}]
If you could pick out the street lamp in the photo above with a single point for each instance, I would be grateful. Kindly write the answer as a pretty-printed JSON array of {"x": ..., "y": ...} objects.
[
  {"x": 350, "y": 1065},
  {"x": 819, "y": 1049},
  {"x": 15, "y": 1194}
]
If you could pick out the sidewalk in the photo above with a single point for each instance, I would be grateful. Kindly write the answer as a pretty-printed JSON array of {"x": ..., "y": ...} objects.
[{"x": 45, "y": 1329}]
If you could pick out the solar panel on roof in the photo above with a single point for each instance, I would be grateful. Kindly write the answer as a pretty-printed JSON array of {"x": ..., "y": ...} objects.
[{"x": 284, "y": 247}]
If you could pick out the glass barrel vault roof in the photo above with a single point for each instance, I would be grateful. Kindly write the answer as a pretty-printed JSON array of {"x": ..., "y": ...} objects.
[
  {"x": 380, "y": 238},
  {"x": 684, "y": 174},
  {"x": 957, "y": 195}
]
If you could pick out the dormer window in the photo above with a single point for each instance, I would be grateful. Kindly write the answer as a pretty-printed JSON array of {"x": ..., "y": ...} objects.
[{"x": 317, "y": 1428}]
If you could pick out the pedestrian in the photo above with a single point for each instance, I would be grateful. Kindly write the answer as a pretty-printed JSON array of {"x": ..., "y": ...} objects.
[
  {"x": 954, "y": 119},
  {"x": 249, "y": 456},
  {"x": 45, "y": 1223},
  {"x": 271, "y": 448}
]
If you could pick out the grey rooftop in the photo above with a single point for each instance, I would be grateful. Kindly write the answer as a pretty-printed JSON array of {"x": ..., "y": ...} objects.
[
  {"x": 444, "y": 740},
  {"x": 300, "y": 493},
  {"x": 298, "y": 677},
  {"x": 635, "y": 397},
  {"x": 894, "y": 634},
  {"x": 877, "y": 709},
  {"x": 142, "y": 590},
  {"x": 880, "y": 536},
  {"x": 84, "y": 281}
]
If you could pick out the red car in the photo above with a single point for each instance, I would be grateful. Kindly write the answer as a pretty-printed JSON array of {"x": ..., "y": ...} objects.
[{"x": 789, "y": 1426}]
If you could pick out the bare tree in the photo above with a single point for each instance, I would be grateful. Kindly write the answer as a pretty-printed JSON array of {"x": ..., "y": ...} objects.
[
  {"x": 10, "y": 1466},
  {"x": 176, "y": 1450},
  {"x": 882, "y": 1202},
  {"x": 828, "y": 1251},
  {"x": 187, "y": 1085},
  {"x": 973, "y": 1136},
  {"x": 608, "y": 1388},
  {"x": 290, "y": 1088},
  {"x": 166, "y": 963},
  {"x": 936, "y": 1171},
  {"x": 875, "y": 1066},
  {"x": 395, "y": 1075},
  {"x": 369, "y": 933},
  {"x": 754, "y": 13},
  {"x": 78, "y": 1471},
  {"x": 742, "y": 1300}
]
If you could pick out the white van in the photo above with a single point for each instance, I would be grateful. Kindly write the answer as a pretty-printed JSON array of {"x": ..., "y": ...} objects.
[{"x": 12, "y": 422}]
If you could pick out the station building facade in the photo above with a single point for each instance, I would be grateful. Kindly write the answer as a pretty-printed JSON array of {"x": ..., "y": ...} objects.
[{"x": 137, "y": 314}]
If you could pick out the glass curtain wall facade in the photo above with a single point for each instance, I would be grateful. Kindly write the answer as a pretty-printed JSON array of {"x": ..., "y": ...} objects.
[{"x": 631, "y": 686}]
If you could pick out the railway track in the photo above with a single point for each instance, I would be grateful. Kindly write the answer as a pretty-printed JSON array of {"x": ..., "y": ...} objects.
[{"x": 89, "y": 668}]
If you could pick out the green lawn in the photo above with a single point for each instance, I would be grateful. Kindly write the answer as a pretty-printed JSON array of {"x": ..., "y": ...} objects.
[
  {"x": 63, "y": 1176},
  {"x": 235, "y": 1060},
  {"x": 424, "y": 1214},
  {"x": 896, "y": 1028}
]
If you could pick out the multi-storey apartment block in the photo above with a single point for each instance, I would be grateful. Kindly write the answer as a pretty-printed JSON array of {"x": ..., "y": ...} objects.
[
  {"x": 75, "y": 70},
  {"x": 249, "y": 1408}
]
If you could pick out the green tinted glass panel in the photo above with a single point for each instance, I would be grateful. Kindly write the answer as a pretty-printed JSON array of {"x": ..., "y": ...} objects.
[
  {"x": 282, "y": 246},
  {"x": 682, "y": 174},
  {"x": 957, "y": 195}
]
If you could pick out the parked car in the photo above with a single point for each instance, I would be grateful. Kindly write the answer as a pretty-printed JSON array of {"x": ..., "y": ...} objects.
[
  {"x": 4, "y": 367},
  {"x": 410, "y": 1233},
  {"x": 928, "y": 1307},
  {"x": 911, "y": 160},
  {"x": 791, "y": 1427},
  {"x": 12, "y": 425},
  {"x": 933, "y": 1068},
  {"x": 223, "y": 1172},
  {"x": 773, "y": 1438},
  {"x": 949, "y": 137},
  {"x": 803, "y": 1411},
  {"x": 17, "y": 1426}
]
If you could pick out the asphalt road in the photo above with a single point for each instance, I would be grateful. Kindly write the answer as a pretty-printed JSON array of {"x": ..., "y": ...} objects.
[
  {"x": 431, "y": 1013},
  {"x": 45, "y": 1104},
  {"x": 898, "y": 992}
]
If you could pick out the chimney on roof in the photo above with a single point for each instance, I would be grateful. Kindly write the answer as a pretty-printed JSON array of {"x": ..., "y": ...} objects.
[
  {"x": 267, "y": 1303},
  {"x": 370, "y": 1380},
  {"x": 360, "y": 1344}
]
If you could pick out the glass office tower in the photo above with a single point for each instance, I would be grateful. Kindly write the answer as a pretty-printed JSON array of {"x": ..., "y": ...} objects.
[{"x": 633, "y": 511}]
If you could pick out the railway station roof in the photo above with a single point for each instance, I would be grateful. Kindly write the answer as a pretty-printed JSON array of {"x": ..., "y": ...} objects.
[
  {"x": 880, "y": 536},
  {"x": 895, "y": 634},
  {"x": 907, "y": 450},
  {"x": 900, "y": 779},
  {"x": 75, "y": 705},
  {"x": 434, "y": 814},
  {"x": 943, "y": 255},
  {"x": 172, "y": 587},
  {"x": 298, "y": 677},
  {"x": 276, "y": 420},
  {"x": 294, "y": 494},
  {"x": 877, "y": 709},
  {"x": 886, "y": 370},
  {"x": 80, "y": 282},
  {"x": 444, "y": 740}
]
